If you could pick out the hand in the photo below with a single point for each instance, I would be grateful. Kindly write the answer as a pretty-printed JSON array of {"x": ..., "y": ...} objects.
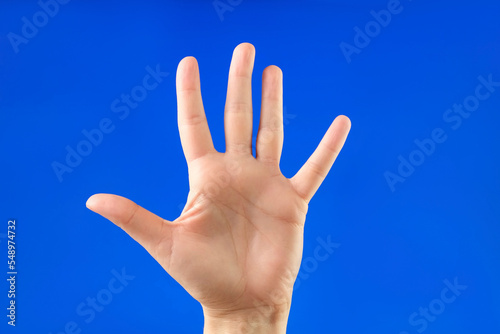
[{"x": 237, "y": 245}]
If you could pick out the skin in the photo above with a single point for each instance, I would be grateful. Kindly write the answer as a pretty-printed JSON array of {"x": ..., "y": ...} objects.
[{"x": 237, "y": 245}]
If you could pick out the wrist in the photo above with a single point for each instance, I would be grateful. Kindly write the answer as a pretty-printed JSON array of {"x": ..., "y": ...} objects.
[{"x": 263, "y": 319}]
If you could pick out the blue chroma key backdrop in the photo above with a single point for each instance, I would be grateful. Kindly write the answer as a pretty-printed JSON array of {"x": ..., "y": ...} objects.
[{"x": 403, "y": 237}]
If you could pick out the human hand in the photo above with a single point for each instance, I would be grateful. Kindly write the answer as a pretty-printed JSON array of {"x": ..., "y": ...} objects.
[{"x": 237, "y": 245}]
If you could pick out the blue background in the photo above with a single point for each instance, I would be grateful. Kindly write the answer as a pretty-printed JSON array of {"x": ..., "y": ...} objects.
[{"x": 396, "y": 247}]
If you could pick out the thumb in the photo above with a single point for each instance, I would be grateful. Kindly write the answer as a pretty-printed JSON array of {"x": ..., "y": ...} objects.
[{"x": 142, "y": 225}]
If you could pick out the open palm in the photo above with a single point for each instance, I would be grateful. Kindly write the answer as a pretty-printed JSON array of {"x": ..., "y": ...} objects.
[{"x": 238, "y": 243}]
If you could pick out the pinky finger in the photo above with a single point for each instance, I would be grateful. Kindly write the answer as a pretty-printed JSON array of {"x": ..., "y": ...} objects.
[{"x": 308, "y": 179}]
